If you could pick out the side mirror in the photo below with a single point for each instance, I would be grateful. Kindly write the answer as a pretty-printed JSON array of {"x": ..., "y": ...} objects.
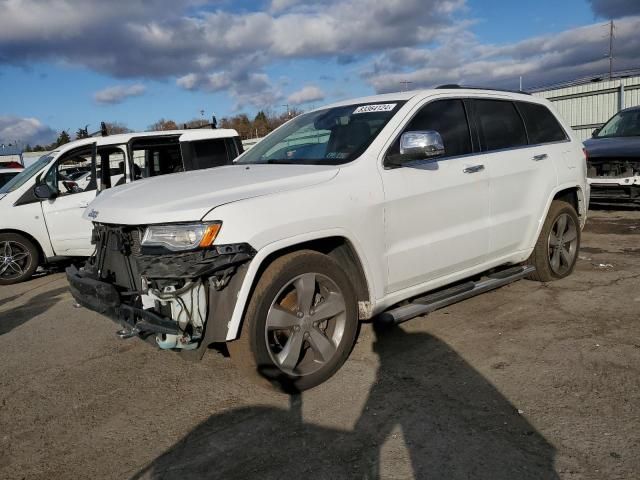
[
  {"x": 43, "y": 192},
  {"x": 418, "y": 145},
  {"x": 596, "y": 132}
]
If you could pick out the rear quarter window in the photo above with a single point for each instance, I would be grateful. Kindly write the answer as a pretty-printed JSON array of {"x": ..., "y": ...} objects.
[{"x": 542, "y": 125}]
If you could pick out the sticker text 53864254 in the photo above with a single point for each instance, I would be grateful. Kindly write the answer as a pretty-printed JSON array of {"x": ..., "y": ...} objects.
[{"x": 381, "y": 107}]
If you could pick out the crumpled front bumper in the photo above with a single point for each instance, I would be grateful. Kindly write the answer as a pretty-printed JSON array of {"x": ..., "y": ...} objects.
[
  {"x": 93, "y": 294},
  {"x": 103, "y": 298}
]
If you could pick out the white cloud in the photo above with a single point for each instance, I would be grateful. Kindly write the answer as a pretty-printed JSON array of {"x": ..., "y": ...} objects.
[
  {"x": 118, "y": 93},
  {"x": 540, "y": 60},
  {"x": 423, "y": 41},
  {"x": 307, "y": 94},
  {"x": 25, "y": 131}
]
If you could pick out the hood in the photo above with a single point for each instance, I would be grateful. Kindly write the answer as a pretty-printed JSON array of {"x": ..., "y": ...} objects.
[
  {"x": 188, "y": 196},
  {"x": 613, "y": 147}
]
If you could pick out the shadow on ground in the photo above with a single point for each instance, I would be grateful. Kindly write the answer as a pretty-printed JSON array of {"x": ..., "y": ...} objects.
[
  {"x": 454, "y": 425},
  {"x": 12, "y": 318}
]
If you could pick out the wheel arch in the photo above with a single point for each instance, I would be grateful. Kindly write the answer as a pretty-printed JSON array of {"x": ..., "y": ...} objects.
[
  {"x": 31, "y": 238},
  {"x": 575, "y": 197},
  {"x": 572, "y": 194},
  {"x": 336, "y": 245}
]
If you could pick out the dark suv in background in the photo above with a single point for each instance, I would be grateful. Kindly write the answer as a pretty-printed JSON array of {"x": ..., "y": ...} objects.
[{"x": 614, "y": 158}]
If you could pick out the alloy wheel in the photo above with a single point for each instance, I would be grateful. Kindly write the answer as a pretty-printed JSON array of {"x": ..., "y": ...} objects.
[
  {"x": 563, "y": 244},
  {"x": 15, "y": 260},
  {"x": 305, "y": 324}
]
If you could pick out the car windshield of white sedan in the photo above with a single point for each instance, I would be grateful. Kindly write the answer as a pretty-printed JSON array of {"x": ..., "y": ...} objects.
[
  {"x": 26, "y": 174},
  {"x": 325, "y": 137},
  {"x": 624, "y": 124}
]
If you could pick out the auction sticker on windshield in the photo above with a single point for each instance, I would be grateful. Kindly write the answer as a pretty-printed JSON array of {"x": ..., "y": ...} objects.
[{"x": 382, "y": 107}]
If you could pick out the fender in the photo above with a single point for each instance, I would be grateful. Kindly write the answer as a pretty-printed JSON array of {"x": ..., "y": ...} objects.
[
  {"x": 233, "y": 326},
  {"x": 582, "y": 207}
]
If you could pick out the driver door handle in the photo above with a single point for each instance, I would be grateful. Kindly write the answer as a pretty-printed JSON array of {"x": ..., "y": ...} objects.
[
  {"x": 83, "y": 204},
  {"x": 542, "y": 156},
  {"x": 474, "y": 169}
]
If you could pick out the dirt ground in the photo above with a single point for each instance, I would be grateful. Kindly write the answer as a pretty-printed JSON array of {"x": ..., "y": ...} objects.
[{"x": 537, "y": 381}]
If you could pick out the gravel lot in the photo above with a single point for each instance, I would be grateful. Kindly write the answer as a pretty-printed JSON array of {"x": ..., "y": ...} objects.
[{"x": 533, "y": 380}]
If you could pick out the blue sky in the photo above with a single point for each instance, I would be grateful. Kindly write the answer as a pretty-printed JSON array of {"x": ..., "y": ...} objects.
[{"x": 68, "y": 63}]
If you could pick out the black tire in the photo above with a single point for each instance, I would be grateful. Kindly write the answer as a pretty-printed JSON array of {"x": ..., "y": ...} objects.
[
  {"x": 19, "y": 258},
  {"x": 254, "y": 353},
  {"x": 545, "y": 251}
]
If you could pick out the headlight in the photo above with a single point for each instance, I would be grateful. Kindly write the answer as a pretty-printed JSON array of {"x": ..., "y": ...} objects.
[{"x": 178, "y": 237}]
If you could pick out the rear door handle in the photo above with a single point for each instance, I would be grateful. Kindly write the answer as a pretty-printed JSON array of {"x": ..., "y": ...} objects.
[
  {"x": 542, "y": 156},
  {"x": 474, "y": 169},
  {"x": 83, "y": 204}
]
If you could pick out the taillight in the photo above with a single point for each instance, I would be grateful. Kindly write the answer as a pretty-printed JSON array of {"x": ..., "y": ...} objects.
[{"x": 586, "y": 155}]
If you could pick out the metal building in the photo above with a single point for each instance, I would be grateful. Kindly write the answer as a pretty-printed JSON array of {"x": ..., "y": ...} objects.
[{"x": 587, "y": 103}]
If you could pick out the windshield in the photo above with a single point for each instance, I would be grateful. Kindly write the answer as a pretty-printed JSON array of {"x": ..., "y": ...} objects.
[
  {"x": 26, "y": 174},
  {"x": 326, "y": 137},
  {"x": 623, "y": 124}
]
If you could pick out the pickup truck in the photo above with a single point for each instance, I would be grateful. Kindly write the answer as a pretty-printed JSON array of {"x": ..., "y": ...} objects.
[
  {"x": 41, "y": 207},
  {"x": 389, "y": 206}
]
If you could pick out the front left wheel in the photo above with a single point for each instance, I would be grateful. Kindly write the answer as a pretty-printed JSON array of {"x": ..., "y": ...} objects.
[
  {"x": 19, "y": 258},
  {"x": 300, "y": 325}
]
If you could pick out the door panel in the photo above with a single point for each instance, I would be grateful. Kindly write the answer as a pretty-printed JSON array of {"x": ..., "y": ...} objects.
[
  {"x": 522, "y": 165},
  {"x": 436, "y": 220},
  {"x": 436, "y": 211},
  {"x": 70, "y": 234},
  {"x": 520, "y": 188}
]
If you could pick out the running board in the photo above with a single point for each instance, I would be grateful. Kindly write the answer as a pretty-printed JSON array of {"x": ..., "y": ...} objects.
[{"x": 457, "y": 293}]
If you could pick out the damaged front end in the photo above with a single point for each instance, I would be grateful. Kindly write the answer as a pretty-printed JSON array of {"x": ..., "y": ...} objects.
[
  {"x": 614, "y": 178},
  {"x": 178, "y": 300}
]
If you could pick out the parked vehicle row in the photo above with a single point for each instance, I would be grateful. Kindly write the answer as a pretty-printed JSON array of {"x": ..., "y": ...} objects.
[
  {"x": 392, "y": 205},
  {"x": 41, "y": 207}
]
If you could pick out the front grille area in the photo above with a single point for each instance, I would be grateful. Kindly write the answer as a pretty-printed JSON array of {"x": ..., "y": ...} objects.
[
  {"x": 113, "y": 257},
  {"x": 121, "y": 259}
]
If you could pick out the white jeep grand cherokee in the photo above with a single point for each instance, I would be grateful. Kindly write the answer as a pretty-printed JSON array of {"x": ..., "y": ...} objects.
[{"x": 389, "y": 206}]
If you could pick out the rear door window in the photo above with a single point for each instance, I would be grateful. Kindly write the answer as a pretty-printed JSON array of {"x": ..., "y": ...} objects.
[
  {"x": 499, "y": 125},
  {"x": 542, "y": 125}
]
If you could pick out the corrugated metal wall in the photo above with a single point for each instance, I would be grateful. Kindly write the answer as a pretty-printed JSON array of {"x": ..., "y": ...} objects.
[{"x": 589, "y": 105}]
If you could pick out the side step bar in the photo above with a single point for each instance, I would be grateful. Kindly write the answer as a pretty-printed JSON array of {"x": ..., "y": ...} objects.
[{"x": 457, "y": 293}]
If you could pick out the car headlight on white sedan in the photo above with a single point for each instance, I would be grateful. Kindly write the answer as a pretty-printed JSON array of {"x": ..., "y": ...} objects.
[{"x": 181, "y": 236}]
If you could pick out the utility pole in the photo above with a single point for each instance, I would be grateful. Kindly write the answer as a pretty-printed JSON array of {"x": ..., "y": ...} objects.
[
  {"x": 405, "y": 84},
  {"x": 286, "y": 105},
  {"x": 611, "y": 36}
]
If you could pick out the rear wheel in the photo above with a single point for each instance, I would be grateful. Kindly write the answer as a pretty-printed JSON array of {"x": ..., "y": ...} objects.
[
  {"x": 556, "y": 250},
  {"x": 19, "y": 258},
  {"x": 300, "y": 325}
]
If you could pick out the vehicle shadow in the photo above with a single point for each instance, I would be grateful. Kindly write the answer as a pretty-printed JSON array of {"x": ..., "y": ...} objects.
[
  {"x": 453, "y": 422},
  {"x": 12, "y": 318}
]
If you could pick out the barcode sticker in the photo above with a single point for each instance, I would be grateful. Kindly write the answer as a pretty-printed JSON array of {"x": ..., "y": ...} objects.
[{"x": 382, "y": 107}]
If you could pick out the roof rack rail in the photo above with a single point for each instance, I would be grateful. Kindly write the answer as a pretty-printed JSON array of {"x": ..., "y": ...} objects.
[
  {"x": 455, "y": 85},
  {"x": 213, "y": 125}
]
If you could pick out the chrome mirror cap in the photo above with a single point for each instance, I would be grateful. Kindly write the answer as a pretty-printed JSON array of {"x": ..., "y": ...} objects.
[{"x": 421, "y": 144}]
